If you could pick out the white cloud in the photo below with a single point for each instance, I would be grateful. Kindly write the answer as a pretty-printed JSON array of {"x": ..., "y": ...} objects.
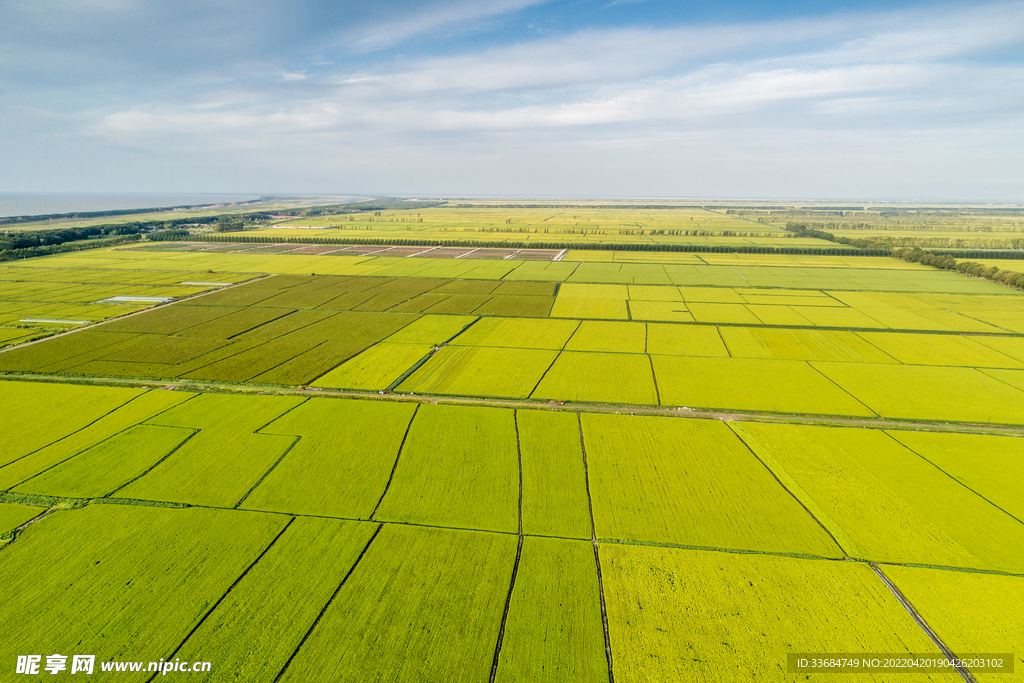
[
  {"x": 797, "y": 99},
  {"x": 445, "y": 17}
]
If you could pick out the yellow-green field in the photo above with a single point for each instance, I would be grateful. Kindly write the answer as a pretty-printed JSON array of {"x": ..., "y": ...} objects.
[{"x": 619, "y": 465}]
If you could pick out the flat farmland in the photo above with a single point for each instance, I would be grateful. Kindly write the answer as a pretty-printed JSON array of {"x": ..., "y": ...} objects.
[
  {"x": 458, "y": 468},
  {"x": 87, "y": 586},
  {"x": 942, "y": 597},
  {"x": 599, "y": 377},
  {"x": 845, "y": 475},
  {"x": 752, "y": 384},
  {"x": 263, "y": 618},
  {"x": 350, "y": 462},
  {"x": 683, "y": 615},
  {"x": 338, "y": 471},
  {"x": 480, "y": 371},
  {"x": 422, "y": 604},
  {"x": 554, "y": 630},
  {"x": 690, "y": 483},
  {"x": 38, "y": 302}
]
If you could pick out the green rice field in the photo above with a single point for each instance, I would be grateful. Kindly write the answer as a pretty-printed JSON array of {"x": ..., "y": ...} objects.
[{"x": 600, "y": 465}]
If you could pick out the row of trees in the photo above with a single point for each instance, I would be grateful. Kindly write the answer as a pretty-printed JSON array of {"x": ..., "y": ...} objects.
[
  {"x": 506, "y": 244},
  {"x": 29, "y": 252},
  {"x": 972, "y": 268},
  {"x": 48, "y": 238},
  {"x": 802, "y": 230}
]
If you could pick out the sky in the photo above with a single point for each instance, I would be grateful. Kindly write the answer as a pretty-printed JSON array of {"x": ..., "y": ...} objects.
[{"x": 561, "y": 98}]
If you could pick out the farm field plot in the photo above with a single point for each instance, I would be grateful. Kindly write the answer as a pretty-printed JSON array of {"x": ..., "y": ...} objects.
[
  {"x": 1013, "y": 322},
  {"x": 422, "y": 604},
  {"x": 1013, "y": 378},
  {"x": 992, "y": 466},
  {"x": 672, "y": 311},
  {"x": 862, "y": 279},
  {"x": 458, "y": 468},
  {"x": 928, "y": 393},
  {"x": 830, "y": 316},
  {"x": 106, "y": 467},
  {"x": 225, "y": 460},
  {"x": 554, "y": 480},
  {"x": 480, "y": 371},
  {"x": 844, "y": 476},
  {"x": 722, "y": 313},
  {"x": 524, "y": 306},
  {"x": 779, "y": 315},
  {"x": 526, "y": 333},
  {"x": 685, "y": 340},
  {"x": 1009, "y": 346},
  {"x": 599, "y": 377},
  {"x": 610, "y": 337},
  {"x": 254, "y": 631},
  {"x": 271, "y": 346},
  {"x": 589, "y": 307},
  {"x": 685, "y": 615},
  {"x": 64, "y": 351},
  {"x": 13, "y": 515},
  {"x": 341, "y": 463},
  {"x": 375, "y": 369},
  {"x": 100, "y": 597},
  {"x": 554, "y": 631},
  {"x": 653, "y": 294},
  {"x": 711, "y": 295},
  {"x": 432, "y": 329},
  {"x": 691, "y": 483},
  {"x": 939, "y": 349},
  {"x": 47, "y": 413},
  {"x": 37, "y": 302},
  {"x": 66, "y": 445},
  {"x": 169, "y": 320},
  {"x": 829, "y": 345},
  {"x": 973, "y": 612},
  {"x": 778, "y": 386}
]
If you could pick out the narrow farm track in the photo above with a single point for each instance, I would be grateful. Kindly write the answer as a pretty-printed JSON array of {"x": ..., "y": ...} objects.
[
  {"x": 519, "y": 556},
  {"x": 932, "y": 635},
  {"x": 597, "y": 555},
  {"x": 57, "y": 504},
  {"x": 215, "y": 387}
]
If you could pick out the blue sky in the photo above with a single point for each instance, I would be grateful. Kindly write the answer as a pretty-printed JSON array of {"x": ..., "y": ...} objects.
[{"x": 616, "y": 98}]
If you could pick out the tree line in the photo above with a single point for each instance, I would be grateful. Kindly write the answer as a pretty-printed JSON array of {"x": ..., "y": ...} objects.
[{"x": 972, "y": 268}]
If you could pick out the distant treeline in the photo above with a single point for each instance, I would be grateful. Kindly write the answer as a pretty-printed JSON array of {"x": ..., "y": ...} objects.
[
  {"x": 168, "y": 235},
  {"x": 80, "y": 215},
  {"x": 947, "y": 262},
  {"x": 802, "y": 230},
  {"x": 29, "y": 252},
  {"x": 48, "y": 238},
  {"x": 380, "y": 204},
  {"x": 576, "y": 206},
  {"x": 1011, "y": 254},
  {"x": 19, "y": 240},
  {"x": 506, "y": 244},
  {"x": 12, "y": 240}
]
